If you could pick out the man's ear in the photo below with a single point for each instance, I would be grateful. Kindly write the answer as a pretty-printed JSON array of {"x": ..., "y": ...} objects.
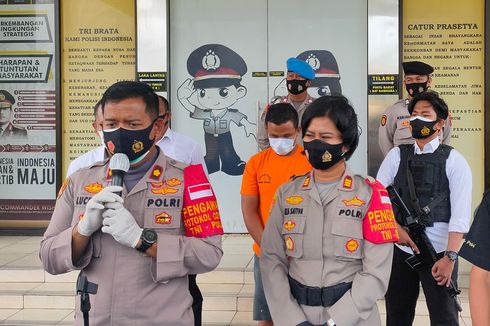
[
  {"x": 241, "y": 92},
  {"x": 429, "y": 81},
  {"x": 308, "y": 83},
  {"x": 440, "y": 124},
  {"x": 157, "y": 131}
]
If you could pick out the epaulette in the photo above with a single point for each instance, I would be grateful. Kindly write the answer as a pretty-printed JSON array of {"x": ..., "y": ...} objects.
[
  {"x": 178, "y": 164},
  {"x": 233, "y": 110},
  {"x": 294, "y": 177},
  {"x": 276, "y": 99}
]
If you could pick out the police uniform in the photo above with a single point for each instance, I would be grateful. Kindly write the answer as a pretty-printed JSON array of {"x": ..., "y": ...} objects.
[
  {"x": 303, "y": 69},
  {"x": 442, "y": 182},
  {"x": 327, "y": 75},
  {"x": 476, "y": 245},
  {"x": 262, "y": 137},
  {"x": 131, "y": 285},
  {"x": 394, "y": 127},
  {"x": 215, "y": 66},
  {"x": 311, "y": 244},
  {"x": 9, "y": 131},
  {"x": 12, "y": 131}
]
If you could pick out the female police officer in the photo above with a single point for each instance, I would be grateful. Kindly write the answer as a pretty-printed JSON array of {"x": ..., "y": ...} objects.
[{"x": 326, "y": 249}]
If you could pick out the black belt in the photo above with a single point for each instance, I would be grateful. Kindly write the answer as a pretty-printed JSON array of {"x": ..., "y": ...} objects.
[{"x": 315, "y": 296}]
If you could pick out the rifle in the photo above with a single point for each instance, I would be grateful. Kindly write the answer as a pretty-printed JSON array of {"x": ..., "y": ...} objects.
[{"x": 428, "y": 255}]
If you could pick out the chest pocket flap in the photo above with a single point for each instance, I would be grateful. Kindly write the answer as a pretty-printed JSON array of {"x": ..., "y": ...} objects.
[{"x": 348, "y": 239}]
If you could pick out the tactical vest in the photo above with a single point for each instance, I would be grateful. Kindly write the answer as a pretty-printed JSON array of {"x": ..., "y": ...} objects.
[{"x": 430, "y": 180}]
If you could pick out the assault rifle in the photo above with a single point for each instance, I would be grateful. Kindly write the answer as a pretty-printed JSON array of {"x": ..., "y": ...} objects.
[{"x": 428, "y": 255}]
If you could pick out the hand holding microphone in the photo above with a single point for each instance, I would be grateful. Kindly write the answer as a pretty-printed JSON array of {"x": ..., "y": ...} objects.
[{"x": 92, "y": 218}]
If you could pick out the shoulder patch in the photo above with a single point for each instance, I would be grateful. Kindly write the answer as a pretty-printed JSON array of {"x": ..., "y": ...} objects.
[
  {"x": 384, "y": 119},
  {"x": 232, "y": 110},
  {"x": 379, "y": 224}
]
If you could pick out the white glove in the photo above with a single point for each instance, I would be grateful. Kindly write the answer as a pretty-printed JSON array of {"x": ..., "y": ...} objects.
[
  {"x": 92, "y": 218},
  {"x": 121, "y": 225}
]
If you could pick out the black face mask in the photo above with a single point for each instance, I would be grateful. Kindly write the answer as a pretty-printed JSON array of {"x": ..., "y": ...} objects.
[
  {"x": 134, "y": 143},
  {"x": 416, "y": 88},
  {"x": 323, "y": 156},
  {"x": 422, "y": 129},
  {"x": 296, "y": 86}
]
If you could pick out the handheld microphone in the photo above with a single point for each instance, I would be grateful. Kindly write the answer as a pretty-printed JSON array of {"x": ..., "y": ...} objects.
[{"x": 119, "y": 165}]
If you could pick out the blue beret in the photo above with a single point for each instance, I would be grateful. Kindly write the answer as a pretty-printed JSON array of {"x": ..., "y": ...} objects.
[{"x": 301, "y": 67}]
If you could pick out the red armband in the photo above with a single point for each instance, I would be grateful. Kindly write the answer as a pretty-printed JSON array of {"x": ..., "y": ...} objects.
[
  {"x": 200, "y": 210},
  {"x": 379, "y": 224}
]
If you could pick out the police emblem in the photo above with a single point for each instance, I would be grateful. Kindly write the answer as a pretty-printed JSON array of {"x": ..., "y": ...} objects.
[
  {"x": 351, "y": 245},
  {"x": 211, "y": 61},
  {"x": 294, "y": 200},
  {"x": 163, "y": 218},
  {"x": 354, "y": 202},
  {"x": 173, "y": 182},
  {"x": 326, "y": 157},
  {"x": 138, "y": 146},
  {"x": 313, "y": 61},
  {"x": 94, "y": 188},
  {"x": 289, "y": 244},
  {"x": 289, "y": 225},
  {"x": 111, "y": 146},
  {"x": 425, "y": 131}
]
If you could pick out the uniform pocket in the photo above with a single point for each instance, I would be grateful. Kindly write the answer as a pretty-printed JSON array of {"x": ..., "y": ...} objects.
[
  {"x": 293, "y": 234},
  {"x": 348, "y": 239}
]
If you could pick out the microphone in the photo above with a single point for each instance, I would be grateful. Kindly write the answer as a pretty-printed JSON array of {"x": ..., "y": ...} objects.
[{"x": 119, "y": 165}]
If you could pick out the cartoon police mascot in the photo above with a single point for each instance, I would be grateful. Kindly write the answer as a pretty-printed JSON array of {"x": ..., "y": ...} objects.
[{"x": 209, "y": 96}]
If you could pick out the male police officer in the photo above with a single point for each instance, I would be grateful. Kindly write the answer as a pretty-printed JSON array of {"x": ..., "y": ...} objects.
[
  {"x": 133, "y": 246},
  {"x": 434, "y": 181},
  {"x": 327, "y": 75},
  {"x": 7, "y": 129},
  {"x": 299, "y": 77},
  {"x": 395, "y": 122}
]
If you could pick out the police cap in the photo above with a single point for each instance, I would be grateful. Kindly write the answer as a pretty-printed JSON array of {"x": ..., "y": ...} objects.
[
  {"x": 417, "y": 68},
  {"x": 435, "y": 101},
  {"x": 301, "y": 68},
  {"x": 6, "y": 97},
  {"x": 324, "y": 64},
  {"x": 215, "y": 65}
]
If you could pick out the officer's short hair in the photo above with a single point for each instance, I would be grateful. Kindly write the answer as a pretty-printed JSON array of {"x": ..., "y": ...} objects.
[
  {"x": 131, "y": 89},
  {"x": 96, "y": 107},
  {"x": 338, "y": 109},
  {"x": 165, "y": 103},
  {"x": 435, "y": 100},
  {"x": 280, "y": 113}
]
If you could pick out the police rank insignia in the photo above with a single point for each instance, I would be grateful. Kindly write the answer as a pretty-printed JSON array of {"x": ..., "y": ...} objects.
[
  {"x": 347, "y": 182},
  {"x": 425, "y": 131},
  {"x": 351, "y": 245},
  {"x": 138, "y": 146},
  {"x": 289, "y": 225},
  {"x": 289, "y": 244},
  {"x": 326, "y": 157},
  {"x": 354, "y": 202},
  {"x": 94, "y": 188},
  {"x": 406, "y": 123},
  {"x": 306, "y": 183},
  {"x": 156, "y": 172},
  {"x": 163, "y": 218},
  {"x": 384, "y": 119},
  {"x": 294, "y": 200}
]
